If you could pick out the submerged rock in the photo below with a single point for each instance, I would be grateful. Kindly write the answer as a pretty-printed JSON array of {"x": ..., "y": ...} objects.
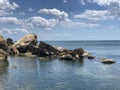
[{"x": 107, "y": 61}]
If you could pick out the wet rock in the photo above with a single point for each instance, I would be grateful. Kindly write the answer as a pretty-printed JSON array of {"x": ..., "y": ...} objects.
[
  {"x": 67, "y": 57},
  {"x": 22, "y": 45},
  {"x": 90, "y": 57},
  {"x": 47, "y": 58},
  {"x": 28, "y": 54},
  {"x": 107, "y": 61}
]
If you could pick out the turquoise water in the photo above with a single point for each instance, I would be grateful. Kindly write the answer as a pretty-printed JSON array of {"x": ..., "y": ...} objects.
[{"x": 54, "y": 74}]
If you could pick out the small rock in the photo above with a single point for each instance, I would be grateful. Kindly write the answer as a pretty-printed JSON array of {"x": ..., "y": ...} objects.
[
  {"x": 107, "y": 61},
  {"x": 91, "y": 57},
  {"x": 67, "y": 57}
]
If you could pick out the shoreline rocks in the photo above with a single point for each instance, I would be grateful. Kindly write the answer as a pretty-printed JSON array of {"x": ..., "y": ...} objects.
[
  {"x": 3, "y": 49},
  {"x": 27, "y": 46}
]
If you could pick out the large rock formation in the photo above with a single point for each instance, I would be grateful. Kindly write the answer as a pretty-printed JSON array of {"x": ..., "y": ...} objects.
[
  {"x": 22, "y": 45},
  {"x": 46, "y": 49},
  {"x": 3, "y": 49}
]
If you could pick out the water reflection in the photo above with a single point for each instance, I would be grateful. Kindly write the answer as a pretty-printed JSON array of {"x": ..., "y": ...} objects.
[
  {"x": 3, "y": 74},
  {"x": 4, "y": 67}
]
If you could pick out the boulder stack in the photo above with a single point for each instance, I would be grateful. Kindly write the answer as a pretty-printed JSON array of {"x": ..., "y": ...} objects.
[{"x": 22, "y": 45}]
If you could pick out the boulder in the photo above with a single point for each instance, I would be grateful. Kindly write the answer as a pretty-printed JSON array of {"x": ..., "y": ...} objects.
[
  {"x": 90, "y": 57},
  {"x": 67, "y": 57},
  {"x": 3, "y": 49},
  {"x": 79, "y": 51},
  {"x": 22, "y": 45},
  {"x": 107, "y": 61},
  {"x": 85, "y": 54},
  {"x": 46, "y": 49}
]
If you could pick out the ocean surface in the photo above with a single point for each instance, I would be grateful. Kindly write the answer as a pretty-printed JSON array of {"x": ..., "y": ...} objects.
[{"x": 24, "y": 73}]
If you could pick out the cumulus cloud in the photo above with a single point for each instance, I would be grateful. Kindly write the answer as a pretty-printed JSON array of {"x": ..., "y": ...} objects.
[
  {"x": 6, "y": 7},
  {"x": 54, "y": 12},
  {"x": 41, "y": 22},
  {"x": 113, "y": 6},
  {"x": 5, "y": 4},
  {"x": 13, "y": 20},
  {"x": 14, "y": 31},
  {"x": 94, "y": 15},
  {"x": 105, "y": 2}
]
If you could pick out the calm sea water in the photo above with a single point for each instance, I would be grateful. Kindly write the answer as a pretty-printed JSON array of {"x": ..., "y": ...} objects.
[{"x": 54, "y": 74}]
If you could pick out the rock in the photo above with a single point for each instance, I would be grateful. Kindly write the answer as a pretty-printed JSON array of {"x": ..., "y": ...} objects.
[
  {"x": 28, "y": 54},
  {"x": 79, "y": 51},
  {"x": 67, "y": 57},
  {"x": 85, "y": 54},
  {"x": 9, "y": 41},
  {"x": 46, "y": 49},
  {"x": 61, "y": 49},
  {"x": 107, "y": 61},
  {"x": 3, "y": 49},
  {"x": 22, "y": 45},
  {"x": 90, "y": 57}
]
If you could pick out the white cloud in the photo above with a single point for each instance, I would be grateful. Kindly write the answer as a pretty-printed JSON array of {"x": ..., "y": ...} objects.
[
  {"x": 113, "y": 6},
  {"x": 96, "y": 15},
  {"x": 14, "y": 31},
  {"x": 105, "y": 2},
  {"x": 30, "y": 9},
  {"x": 41, "y": 22},
  {"x": 13, "y": 20},
  {"x": 75, "y": 24},
  {"x": 82, "y": 2},
  {"x": 54, "y": 12},
  {"x": 6, "y": 7},
  {"x": 65, "y": 1},
  {"x": 5, "y": 4}
]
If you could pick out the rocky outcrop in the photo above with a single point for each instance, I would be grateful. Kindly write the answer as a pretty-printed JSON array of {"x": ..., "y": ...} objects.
[
  {"x": 46, "y": 49},
  {"x": 22, "y": 45},
  {"x": 27, "y": 46},
  {"x": 3, "y": 49},
  {"x": 107, "y": 61}
]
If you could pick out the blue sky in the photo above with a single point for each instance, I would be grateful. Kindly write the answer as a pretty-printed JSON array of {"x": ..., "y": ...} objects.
[{"x": 61, "y": 19}]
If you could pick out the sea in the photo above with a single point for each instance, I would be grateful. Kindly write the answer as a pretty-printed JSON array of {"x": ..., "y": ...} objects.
[{"x": 32, "y": 73}]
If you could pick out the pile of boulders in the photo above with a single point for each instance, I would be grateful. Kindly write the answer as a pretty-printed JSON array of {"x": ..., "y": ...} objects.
[{"x": 27, "y": 46}]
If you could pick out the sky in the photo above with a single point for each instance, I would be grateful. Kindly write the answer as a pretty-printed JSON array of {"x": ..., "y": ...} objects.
[{"x": 61, "y": 19}]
